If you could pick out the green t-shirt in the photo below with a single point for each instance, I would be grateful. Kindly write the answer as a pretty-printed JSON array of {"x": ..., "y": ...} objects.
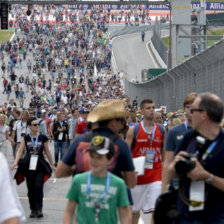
[{"x": 116, "y": 197}]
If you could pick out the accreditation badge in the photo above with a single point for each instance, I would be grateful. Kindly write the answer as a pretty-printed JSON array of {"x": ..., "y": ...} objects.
[
  {"x": 197, "y": 195},
  {"x": 33, "y": 162},
  {"x": 60, "y": 136},
  {"x": 149, "y": 159}
]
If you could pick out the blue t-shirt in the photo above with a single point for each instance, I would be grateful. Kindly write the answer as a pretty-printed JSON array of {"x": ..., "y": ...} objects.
[
  {"x": 21, "y": 93},
  {"x": 124, "y": 159},
  {"x": 174, "y": 137},
  {"x": 214, "y": 202}
]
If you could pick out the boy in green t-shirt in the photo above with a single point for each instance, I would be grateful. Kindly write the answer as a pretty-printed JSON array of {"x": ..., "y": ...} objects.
[{"x": 98, "y": 193}]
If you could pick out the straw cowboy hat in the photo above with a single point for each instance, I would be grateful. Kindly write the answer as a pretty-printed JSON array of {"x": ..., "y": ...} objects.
[{"x": 108, "y": 110}]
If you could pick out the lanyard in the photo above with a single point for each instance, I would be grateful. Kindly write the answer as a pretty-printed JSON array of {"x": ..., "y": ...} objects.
[
  {"x": 106, "y": 189},
  {"x": 185, "y": 123},
  {"x": 74, "y": 120},
  {"x": 36, "y": 141},
  {"x": 148, "y": 133},
  {"x": 98, "y": 204},
  {"x": 22, "y": 124},
  {"x": 209, "y": 150}
]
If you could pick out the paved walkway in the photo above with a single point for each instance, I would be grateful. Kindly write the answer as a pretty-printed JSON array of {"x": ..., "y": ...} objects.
[{"x": 55, "y": 190}]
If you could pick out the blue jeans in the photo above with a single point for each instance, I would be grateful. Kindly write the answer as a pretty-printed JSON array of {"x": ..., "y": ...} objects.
[
  {"x": 59, "y": 147},
  {"x": 185, "y": 221}
]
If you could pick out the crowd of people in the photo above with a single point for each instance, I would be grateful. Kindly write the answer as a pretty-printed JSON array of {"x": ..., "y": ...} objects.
[
  {"x": 128, "y": 15},
  {"x": 73, "y": 99}
]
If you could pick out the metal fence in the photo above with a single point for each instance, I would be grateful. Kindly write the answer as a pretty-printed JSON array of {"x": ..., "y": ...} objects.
[
  {"x": 201, "y": 73},
  {"x": 133, "y": 29},
  {"x": 128, "y": 30}
]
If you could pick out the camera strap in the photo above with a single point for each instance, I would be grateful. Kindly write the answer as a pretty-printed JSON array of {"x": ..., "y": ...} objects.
[{"x": 187, "y": 201}]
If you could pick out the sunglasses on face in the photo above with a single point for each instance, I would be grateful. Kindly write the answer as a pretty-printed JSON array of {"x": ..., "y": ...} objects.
[
  {"x": 122, "y": 120},
  {"x": 35, "y": 125},
  {"x": 195, "y": 110}
]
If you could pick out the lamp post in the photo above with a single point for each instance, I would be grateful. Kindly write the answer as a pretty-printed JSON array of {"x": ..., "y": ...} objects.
[
  {"x": 169, "y": 53},
  {"x": 170, "y": 30}
]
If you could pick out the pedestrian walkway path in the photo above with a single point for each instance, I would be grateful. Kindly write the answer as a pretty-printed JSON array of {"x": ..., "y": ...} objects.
[{"x": 55, "y": 189}]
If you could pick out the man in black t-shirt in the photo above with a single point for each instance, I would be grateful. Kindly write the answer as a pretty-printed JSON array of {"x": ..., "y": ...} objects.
[
  {"x": 13, "y": 77},
  {"x": 32, "y": 103},
  {"x": 110, "y": 115}
]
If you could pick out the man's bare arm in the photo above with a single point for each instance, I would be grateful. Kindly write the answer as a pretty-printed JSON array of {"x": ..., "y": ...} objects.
[
  {"x": 64, "y": 170},
  {"x": 130, "y": 178},
  {"x": 13, "y": 220},
  {"x": 130, "y": 136}
]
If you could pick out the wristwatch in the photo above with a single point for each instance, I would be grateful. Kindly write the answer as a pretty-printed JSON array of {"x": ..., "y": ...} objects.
[{"x": 209, "y": 179}]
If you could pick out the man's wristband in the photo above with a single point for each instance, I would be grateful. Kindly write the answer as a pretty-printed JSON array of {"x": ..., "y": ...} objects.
[{"x": 209, "y": 179}]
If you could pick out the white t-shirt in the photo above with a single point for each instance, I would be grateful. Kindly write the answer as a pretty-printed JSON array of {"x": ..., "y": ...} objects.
[
  {"x": 64, "y": 99},
  {"x": 21, "y": 128},
  {"x": 9, "y": 204},
  {"x": 3, "y": 130}
]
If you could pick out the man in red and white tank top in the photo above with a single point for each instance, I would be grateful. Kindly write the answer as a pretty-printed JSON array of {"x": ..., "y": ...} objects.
[{"x": 146, "y": 139}]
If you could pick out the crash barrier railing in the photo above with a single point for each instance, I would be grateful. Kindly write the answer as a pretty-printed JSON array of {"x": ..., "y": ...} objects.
[{"x": 200, "y": 73}]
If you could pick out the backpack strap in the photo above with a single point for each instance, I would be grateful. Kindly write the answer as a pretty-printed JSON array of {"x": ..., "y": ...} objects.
[
  {"x": 136, "y": 128},
  {"x": 161, "y": 130},
  {"x": 88, "y": 136},
  {"x": 17, "y": 123}
]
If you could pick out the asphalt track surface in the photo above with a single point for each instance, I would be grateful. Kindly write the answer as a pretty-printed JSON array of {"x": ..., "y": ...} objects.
[{"x": 131, "y": 54}]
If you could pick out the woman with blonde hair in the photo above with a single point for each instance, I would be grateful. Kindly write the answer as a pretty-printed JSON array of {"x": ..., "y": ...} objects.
[
  {"x": 174, "y": 122},
  {"x": 4, "y": 135}
]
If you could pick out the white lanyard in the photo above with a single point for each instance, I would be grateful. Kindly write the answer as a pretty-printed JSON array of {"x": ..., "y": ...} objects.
[{"x": 148, "y": 133}]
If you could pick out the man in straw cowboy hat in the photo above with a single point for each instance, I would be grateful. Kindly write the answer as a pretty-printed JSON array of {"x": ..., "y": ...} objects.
[{"x": 110, "y": 116}]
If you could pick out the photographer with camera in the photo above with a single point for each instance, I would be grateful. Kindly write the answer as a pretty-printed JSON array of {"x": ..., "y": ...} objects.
[{"x": 199, "y": 165}]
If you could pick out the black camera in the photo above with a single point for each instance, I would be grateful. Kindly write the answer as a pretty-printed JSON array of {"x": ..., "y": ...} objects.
[
  {"x": 183, "y": 167},
  {"x": 186, "y": 165}
]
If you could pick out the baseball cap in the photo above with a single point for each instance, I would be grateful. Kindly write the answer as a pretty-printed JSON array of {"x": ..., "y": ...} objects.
[{"x": 101, "y": 145}]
